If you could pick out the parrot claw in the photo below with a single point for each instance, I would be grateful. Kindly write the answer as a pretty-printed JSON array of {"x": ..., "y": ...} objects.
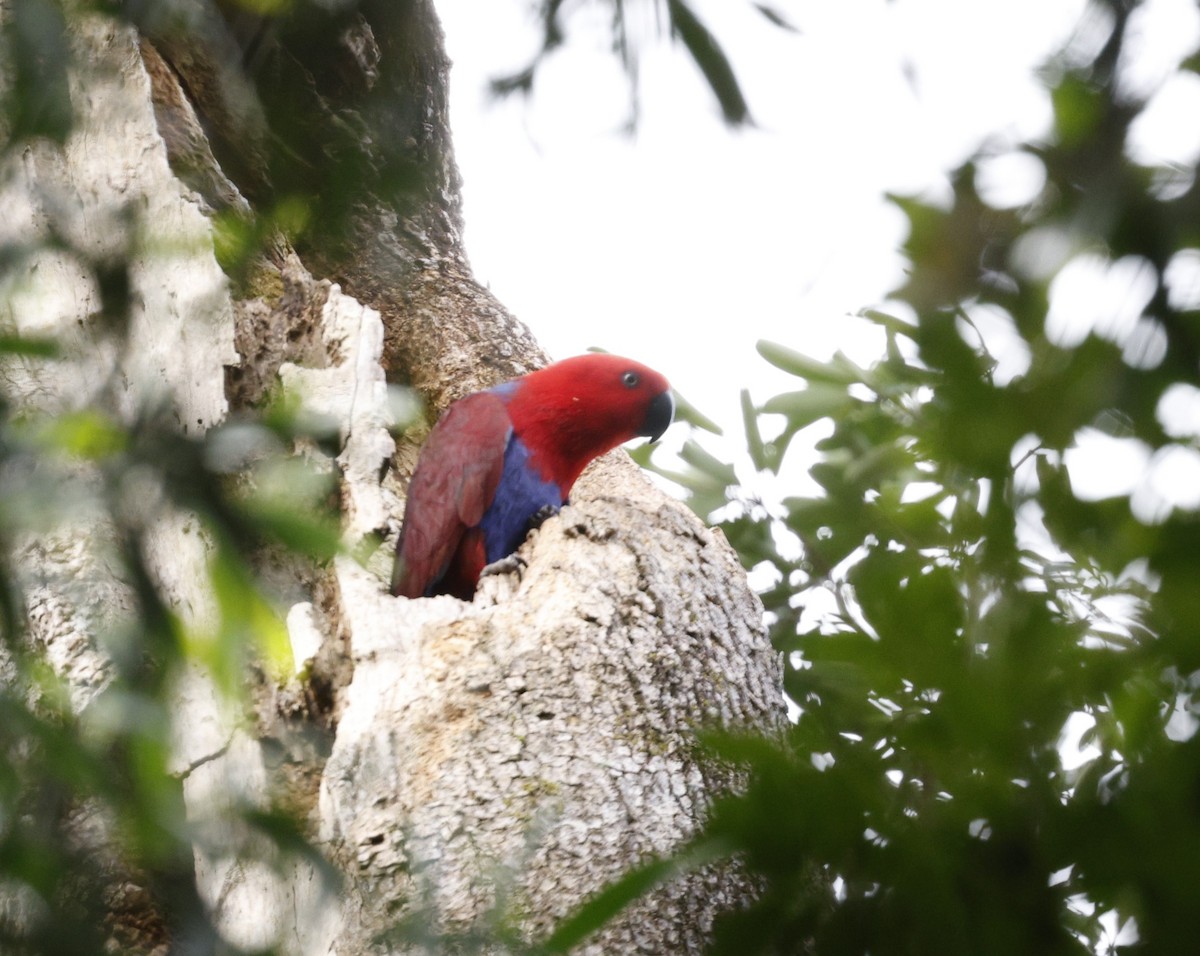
[
  {"x": 539, "y": 517},
  {"x": 505, "y": 566},
  {"x": 514, "y": 562}
]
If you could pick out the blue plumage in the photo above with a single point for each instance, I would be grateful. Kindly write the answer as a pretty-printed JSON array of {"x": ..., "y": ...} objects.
[{"x": 520, "y": 495}]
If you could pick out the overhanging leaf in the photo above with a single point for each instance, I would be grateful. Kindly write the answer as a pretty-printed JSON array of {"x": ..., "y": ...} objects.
[
  {"x": 605, "y": 905},
  {"x": 801, "y": 365},
  {"x": 711, "y": 60}
]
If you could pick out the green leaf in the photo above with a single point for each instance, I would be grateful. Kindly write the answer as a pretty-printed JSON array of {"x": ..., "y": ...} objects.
[
  {"x": 775, "y": 17},
  {"x": 308, "y": 534},
  {"x": 880, "y": 463},
  {"x": 685, "y": 411},
  {"x": 610, "y": 901},
  {"x": 29, "y": 347},
  {"x": 708, "y": 464},
  {"x": 86, "y": 434},
  {"x": 893, "y": 324},
  {"x": 1078, "y": 108},
  {"x": 248, "y": 624},
  {"x": 265, "y": 8},
  {"x": 38, "y": 100},
  {"x": 809, "y": 369},
  {"x": 754, "y": 442},
  {"x": 810, "y": 405},
  {"x": 711, "y": 59}
]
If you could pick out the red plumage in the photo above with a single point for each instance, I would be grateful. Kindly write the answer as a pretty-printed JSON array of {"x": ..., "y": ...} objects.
[{"x": 498, "y": 457}]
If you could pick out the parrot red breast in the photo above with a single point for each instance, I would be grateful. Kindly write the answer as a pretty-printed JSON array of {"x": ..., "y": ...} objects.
[{"x": 500, "y": 459}]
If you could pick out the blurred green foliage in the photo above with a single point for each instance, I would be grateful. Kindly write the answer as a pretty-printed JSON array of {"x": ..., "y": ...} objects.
[
  {"x": 112, "y": 760},
  {"x": 994, "y": 671},
  {"x": 96, "y": 847}
]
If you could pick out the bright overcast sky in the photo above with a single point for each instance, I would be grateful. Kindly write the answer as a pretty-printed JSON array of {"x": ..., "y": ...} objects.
[
  {"x": 684, "y": 244},
  {"x": 688, "y": 242}
]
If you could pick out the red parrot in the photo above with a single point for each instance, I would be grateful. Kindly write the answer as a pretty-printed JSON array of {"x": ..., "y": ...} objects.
[{"x": 501, "y": 459}]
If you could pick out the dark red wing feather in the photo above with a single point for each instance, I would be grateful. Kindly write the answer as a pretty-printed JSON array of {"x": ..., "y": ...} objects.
[{"x": 454, "y": 482}]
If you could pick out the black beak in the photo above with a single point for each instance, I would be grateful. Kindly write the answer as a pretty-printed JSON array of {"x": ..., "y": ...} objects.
[{"x": 658, "y": 416}]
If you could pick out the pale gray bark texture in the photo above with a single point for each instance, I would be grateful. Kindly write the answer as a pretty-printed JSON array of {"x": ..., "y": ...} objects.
[{"x": 495, "y": 761}]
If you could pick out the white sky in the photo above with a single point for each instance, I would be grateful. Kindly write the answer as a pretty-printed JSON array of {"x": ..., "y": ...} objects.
[{"x": 683, "y": 245}]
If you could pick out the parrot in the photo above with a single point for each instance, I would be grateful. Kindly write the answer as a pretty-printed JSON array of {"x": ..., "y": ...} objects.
[{"x": 500, "y": 461}]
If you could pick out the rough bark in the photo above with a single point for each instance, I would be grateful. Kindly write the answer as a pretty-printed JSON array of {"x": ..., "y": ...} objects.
[{"x": 462, "y": 763}]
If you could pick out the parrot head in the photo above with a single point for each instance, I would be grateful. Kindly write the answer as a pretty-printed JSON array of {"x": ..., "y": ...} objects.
[{"x": 581, "y": 407}]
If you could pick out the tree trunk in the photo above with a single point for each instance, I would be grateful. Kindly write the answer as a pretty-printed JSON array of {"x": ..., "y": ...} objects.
[{"x": 468, "y": 767}]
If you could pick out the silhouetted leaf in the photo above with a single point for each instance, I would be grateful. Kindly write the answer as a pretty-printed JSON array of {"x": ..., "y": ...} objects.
[{"x": 711, "y": 60}]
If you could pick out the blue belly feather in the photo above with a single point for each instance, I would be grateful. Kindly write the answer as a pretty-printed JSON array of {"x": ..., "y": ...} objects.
[{"x": 520, "y": 495}]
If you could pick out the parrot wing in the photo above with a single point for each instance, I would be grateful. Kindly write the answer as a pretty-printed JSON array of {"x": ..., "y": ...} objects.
[{"x": 453, "y": 485}]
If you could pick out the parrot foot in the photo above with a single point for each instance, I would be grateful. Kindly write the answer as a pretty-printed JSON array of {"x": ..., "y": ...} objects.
[
  {"x": 505, "y": 566},
  {"x": 539, "y": 517}
]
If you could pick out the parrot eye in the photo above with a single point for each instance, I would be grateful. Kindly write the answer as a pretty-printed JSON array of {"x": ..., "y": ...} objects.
[{"x": 630, "y": 379}]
